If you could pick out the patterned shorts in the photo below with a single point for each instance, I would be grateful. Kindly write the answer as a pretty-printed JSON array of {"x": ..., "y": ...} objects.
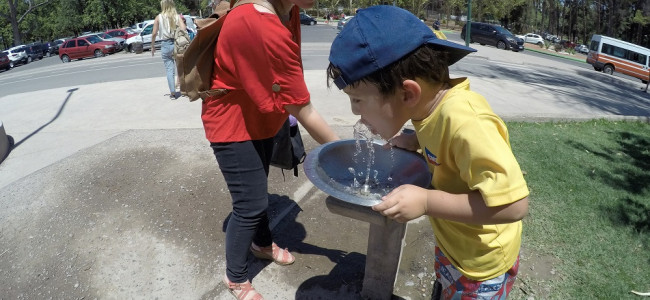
[{"x": 456, "y": 286}]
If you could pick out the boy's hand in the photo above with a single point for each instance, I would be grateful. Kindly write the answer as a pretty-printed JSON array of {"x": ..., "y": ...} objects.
[
  {"x": 404, "y": 203},
  {"x": 407, "y": 141}
]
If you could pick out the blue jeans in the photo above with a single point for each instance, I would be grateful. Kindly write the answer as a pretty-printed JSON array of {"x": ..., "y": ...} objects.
[
  {"x": 245, "y": 167},
  {"x": 167, "y": 50}
]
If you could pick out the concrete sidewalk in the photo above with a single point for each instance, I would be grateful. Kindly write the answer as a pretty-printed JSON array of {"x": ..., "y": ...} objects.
[{"x": 117, "y": 195}]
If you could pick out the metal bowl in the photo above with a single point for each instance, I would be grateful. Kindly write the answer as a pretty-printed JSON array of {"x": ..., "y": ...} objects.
[{"x": 340, "y": 170}]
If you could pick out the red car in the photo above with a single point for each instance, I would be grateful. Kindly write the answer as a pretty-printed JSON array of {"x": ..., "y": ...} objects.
[
  {"x": 122, "y": 33},
  {"x": 87, "y": 46},
  {"x": 5, "y": 63}
]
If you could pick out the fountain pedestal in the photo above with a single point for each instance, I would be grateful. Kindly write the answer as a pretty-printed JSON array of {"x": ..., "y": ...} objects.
[{"x": 385, "y": 240}]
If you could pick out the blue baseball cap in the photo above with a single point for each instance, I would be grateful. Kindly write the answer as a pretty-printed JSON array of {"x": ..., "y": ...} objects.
[{"x": 379, "y": 36}]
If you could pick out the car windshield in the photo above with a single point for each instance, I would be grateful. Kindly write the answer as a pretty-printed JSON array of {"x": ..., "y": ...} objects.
[
  {"x": 503, "y": 30},
  {"x": 93, "y": 39},
  {"x": 129, "y": 30},
  {"x": 104, "y": 35}
]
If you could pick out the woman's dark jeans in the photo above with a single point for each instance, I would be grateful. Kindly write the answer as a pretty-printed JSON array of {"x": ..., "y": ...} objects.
[{"x": 245, "y": 167}]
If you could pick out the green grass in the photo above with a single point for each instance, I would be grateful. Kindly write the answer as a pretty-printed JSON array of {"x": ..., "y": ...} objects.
[{"x": 589, "y": 207}]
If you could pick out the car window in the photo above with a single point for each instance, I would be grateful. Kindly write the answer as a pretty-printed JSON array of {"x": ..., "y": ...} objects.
[
  {"x": 70, "y": 44},
  {"x": 104, "y": 35},
  {"x": 147, "y": 30},
  {"x": 93, "y": 39},
  {"x": 81, "y": 43}
]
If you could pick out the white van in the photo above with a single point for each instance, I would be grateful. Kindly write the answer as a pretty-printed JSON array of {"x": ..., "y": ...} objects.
[{"x": 612, "y": 55}]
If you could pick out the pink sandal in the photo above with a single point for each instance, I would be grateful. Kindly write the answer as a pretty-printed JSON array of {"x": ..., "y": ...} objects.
[
  {"x": 242, "y": 291},
  {"x": 278, "y": 255}
]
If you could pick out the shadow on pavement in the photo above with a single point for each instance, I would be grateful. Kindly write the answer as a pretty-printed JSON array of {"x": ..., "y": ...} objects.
[{"x": 67, "y": 98}]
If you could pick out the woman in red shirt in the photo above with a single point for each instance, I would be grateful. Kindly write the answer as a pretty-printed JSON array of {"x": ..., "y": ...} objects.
[{"x": 257, "y": 59}]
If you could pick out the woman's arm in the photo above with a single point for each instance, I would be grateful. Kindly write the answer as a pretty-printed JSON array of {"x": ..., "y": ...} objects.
[
  {"x": 313, "y": 122},
  {"x": 154, "y": 33}
]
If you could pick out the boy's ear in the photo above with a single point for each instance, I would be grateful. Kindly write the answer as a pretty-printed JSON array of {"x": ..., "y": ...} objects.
[{"x": 412, "y": 92}]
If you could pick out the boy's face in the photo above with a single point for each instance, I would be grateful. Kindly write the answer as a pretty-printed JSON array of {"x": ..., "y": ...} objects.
[{"x": 382, "y": 114}]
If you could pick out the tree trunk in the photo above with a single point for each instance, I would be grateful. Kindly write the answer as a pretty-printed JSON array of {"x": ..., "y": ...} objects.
[{"x": 14, "y": 23}]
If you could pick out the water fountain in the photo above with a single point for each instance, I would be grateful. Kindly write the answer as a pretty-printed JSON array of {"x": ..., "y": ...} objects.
[{"x": 335, "y": 168}]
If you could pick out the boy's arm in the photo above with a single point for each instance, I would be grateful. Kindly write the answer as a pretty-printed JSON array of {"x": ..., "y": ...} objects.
[
  {"x": 408, "y": 202},
  {"x": 313, "y": 122}
]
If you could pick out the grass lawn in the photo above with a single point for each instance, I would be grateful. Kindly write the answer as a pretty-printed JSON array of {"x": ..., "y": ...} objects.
[{"x": 587, "y": 235}]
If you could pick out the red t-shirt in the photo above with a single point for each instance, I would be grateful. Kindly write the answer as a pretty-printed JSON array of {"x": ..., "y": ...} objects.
[{"x": 258, "y": 60}]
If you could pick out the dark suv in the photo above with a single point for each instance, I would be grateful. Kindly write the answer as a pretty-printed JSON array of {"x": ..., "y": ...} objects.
[
  {"x": 495, "y": 35},
  {"x": 34, "y": 51}
]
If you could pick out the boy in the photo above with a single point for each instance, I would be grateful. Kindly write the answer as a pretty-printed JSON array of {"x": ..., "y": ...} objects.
[{"x": 394, "y": 69}]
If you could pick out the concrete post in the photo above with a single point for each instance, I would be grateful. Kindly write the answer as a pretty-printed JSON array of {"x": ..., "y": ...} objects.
[
  {"x": 385, "y": 240},
  {"x": 5, "y": 144}
]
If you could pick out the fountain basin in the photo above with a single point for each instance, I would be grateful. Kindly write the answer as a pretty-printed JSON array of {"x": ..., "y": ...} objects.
[{"x": 329, "y": 167}]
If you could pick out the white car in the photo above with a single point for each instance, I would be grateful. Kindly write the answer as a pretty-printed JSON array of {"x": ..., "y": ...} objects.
[
  {"x": 533, "y": 39},
  {"x": 17, "y": 55},
  {"x": 143, "y": 37},
  {"x": 582, "y": 49}
]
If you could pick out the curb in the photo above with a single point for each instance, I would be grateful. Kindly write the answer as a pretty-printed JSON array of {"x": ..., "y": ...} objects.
[{"x": 551, "y": 54}]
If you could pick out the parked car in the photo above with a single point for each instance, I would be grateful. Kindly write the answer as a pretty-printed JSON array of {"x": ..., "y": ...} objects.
[
  {"x": 17, "y": 56},
  {"x": 124, "y": 33},
  {"x": 82, "y": 47},
  {"x": 140, "y": 26},
  {"x": 582, "y": 49},
  {"x": 54, "y": 46},
  {"x": 143, "y": 37},
  {"x": 34, "y": 51},
  {"x": 307, "y": 19},
  {"x": 491, "y": 34},
  {"x": 107, "y": 37},
  {"x": 5, "y": 62},
  {"x": 343, "y": 21},
  {"x": 533, "y": 39},
  {"x": 567, "y": 44}
]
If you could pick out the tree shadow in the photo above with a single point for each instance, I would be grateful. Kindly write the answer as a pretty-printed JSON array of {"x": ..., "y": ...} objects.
[
  {"x": 608, "y": 94},
  {"x": 631, "y": 174}
]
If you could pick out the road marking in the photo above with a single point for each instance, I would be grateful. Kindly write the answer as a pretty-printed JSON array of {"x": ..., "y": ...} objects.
[{"x": 298, "y": 195}]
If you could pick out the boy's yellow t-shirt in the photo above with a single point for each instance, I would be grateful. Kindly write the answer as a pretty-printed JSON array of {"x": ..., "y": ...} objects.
[{"x": 467, "y": 148}]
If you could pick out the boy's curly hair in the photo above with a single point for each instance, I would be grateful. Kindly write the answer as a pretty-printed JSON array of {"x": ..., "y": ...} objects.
[{"x": 425, "y": 63}]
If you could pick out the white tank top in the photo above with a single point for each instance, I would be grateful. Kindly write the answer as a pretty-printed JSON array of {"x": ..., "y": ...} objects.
[{"x": 164, "y": 30}]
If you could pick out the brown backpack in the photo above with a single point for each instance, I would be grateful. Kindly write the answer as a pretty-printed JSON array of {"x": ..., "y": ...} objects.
[{"x": 195, "y": 65}]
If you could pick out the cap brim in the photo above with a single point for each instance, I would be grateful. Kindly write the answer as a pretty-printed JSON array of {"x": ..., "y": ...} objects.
[{"x": 456, "y": 51}]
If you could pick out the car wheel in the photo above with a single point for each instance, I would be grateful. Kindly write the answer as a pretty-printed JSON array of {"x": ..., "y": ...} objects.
[
  {"x": 313, "y": 22},
  {"x": 29, "y": 59},
  {"x": 130, "y": 48},
  {"x": 501, "y": 45},
  {"x": 65, "y": 59},
  {"x": 98, "y": 53},
  {"x": 11, "y": 65},
  {"x": 608, "y": 69},
  {"x": 540, "y": 44}
]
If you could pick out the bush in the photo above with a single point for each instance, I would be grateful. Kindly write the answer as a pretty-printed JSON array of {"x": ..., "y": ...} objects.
[
  {"x": 558, "y": 47},
  {"x": 547, "y": 44}
]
